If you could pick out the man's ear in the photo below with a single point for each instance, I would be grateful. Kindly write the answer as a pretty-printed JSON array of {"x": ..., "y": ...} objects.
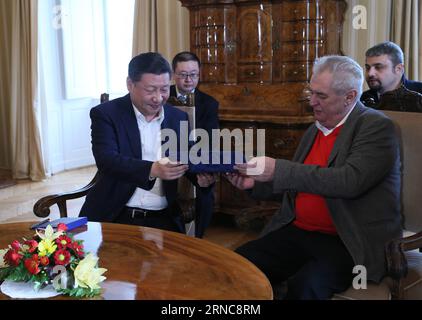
[
  {"x": 129, "y": 84},
  {"x": 399, "y": 68},
  {"x": 351, "y": 96}
]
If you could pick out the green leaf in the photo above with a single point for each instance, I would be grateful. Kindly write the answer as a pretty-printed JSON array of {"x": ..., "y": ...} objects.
[
  {"x": 80, "y": 292},
  {"x": 4, "y": 272}
]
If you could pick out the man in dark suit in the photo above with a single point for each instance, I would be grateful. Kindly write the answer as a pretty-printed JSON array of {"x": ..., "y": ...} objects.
[
  {"x": 384, "y": 67},
  {"x": 186, "y": 68},
  {"x": 136, "y": 183},
  {"x": 340, "y": 193}
]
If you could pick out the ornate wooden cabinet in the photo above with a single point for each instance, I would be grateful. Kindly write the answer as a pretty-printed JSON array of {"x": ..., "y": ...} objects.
[{"x": 256, "y": 61}]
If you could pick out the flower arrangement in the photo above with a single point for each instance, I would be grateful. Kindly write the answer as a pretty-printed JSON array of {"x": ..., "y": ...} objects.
[{"x": 53, "y": 258}]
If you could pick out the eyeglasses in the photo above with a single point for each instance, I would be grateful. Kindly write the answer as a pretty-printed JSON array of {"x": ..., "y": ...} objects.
[{"x": 185, "y": 76}]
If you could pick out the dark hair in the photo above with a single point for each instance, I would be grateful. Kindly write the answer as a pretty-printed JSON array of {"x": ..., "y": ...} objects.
[
  {"x": 184, "y": 57},
  {"x": 149, "y": 62},
  {"x": 389, "y": 48}
]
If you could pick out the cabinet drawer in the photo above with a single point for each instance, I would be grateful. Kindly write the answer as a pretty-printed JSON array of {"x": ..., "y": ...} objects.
[
  {"x": 211, "y": 35},
  {"x": 301, "y": 10},
  {"x": 210, "y": 17},
  {"x": 301, "y": 51},
  {"x": 291, "y": 72},
  {"x": 281, "y": 142},
  {"x": 212, "y": 54},
  {"x": 254, "y": 73},
  {"x": 212, "y": 72},
  {"x": 297, "y": 31}
]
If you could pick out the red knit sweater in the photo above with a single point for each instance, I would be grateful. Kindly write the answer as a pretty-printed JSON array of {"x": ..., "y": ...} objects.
[{"x": 312, "y": 213}]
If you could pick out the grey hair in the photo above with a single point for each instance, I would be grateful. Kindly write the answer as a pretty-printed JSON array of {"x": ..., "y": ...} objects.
[
  {"x": 347, "y": 73},
  {"x": 389, "y": 48}
]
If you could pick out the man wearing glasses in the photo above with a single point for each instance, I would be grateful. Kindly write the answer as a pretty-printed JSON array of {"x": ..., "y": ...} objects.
[{"x": 186, "y": 69}]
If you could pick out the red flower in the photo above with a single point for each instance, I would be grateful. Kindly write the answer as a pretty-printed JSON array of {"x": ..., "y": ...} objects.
[
  {"x": 44, "y": 260},
  {"x": 31, "y": 264},
  {"x": 61, "y": 227},
  {"x": 16, "y": 245},
  {"x": 62, "y": 257},
  {"x": 12, "y": 257},
  {"x": 63, "y": 242},
  {"x": 78, "y": 248},
  {"x": 32, "y": 245}
]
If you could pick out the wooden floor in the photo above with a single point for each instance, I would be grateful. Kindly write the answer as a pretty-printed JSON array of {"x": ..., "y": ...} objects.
[
  {"x": 17, "y": 201},
  {"x": 6, "y": 179}
]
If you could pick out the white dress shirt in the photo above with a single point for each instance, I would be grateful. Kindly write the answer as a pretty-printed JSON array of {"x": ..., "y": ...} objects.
[
  {"x": 326, "y": 131},
  {"x": 182, "y": 95},
  {"x": 150, "y": 133}
]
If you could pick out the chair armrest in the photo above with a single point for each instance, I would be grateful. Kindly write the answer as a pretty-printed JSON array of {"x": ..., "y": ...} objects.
[
  {"x": 42, "y": 206},
  {"x": 396, "y": 259}
]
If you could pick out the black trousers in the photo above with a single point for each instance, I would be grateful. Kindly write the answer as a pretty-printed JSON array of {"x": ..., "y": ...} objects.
[
  {"x": 162, "y": 221},
  {"x": 315, "y": 265}
]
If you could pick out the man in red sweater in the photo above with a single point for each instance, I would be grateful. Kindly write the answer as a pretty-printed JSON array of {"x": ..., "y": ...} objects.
[{"x": 340, "y": 194}]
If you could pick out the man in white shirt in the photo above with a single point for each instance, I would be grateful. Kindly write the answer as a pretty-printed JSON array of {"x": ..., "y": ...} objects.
[{"x": 135, "y": 184}]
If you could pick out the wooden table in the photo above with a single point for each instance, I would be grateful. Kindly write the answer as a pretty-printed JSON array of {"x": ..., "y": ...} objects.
[{"x": 145, "y": 263}]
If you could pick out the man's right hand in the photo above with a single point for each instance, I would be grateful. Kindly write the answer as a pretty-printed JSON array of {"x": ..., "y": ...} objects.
[
  {"x": 167, "y": 170},
  {"x": 240, "y": 181}
]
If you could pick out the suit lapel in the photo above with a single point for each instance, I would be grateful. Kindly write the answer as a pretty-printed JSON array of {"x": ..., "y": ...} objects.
[
  {"x": 308, "y": 143},
  {"x": 131, "y": 126},
  {"x": 336, "y": 147},
  {"x": 173, "y": 92},
  {"x": 345, "y": 133},
  {"x": 198, "y": 104}
]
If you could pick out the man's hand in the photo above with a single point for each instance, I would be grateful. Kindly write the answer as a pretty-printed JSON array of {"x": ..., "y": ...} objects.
[
  {"x": 205, "y": 179},
  {"x": 259, "y": 168},
  {"x": 168, "y": 170},
  {"x": 240, "y": 181}
]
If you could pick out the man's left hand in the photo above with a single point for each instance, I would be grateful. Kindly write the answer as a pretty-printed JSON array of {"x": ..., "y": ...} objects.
[{"x": 259, "y": 168}]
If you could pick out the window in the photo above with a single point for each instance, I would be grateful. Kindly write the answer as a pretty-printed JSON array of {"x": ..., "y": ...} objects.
[{"x": 97, "y": 46}]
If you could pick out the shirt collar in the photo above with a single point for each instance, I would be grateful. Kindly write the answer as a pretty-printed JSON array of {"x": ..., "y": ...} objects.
[
  {"x": 326, "y": 131},
  {"x": 179, "y": 94},
  {"x": 140, "y": 116}
]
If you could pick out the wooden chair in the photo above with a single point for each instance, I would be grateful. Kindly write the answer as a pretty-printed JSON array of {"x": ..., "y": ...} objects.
[
  {"x": 186, "y": 190},
  {"x": 42, "y": 206},
  {"x": 404, "y": 258}
]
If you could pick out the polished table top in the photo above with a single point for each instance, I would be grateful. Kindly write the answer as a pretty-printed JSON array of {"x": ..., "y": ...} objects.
[{"x": 145, "y": 263}]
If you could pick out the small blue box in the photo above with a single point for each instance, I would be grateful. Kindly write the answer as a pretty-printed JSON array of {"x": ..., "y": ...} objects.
[{"x": 71, "y": 223}]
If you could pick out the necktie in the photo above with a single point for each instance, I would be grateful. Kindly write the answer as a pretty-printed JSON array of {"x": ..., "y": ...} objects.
[{"x": 183, "y": 99}]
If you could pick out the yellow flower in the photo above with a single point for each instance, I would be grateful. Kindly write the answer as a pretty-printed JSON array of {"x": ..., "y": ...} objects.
[
  {"x": 87, "y": 274},
  {"x": 46, "y": 247},
  {"x": 49, "y": 234},
  {"x": 3, "y": 264}
]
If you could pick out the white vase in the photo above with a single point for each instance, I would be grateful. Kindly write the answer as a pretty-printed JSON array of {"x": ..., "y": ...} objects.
[{"x": 25, "y": 290}]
